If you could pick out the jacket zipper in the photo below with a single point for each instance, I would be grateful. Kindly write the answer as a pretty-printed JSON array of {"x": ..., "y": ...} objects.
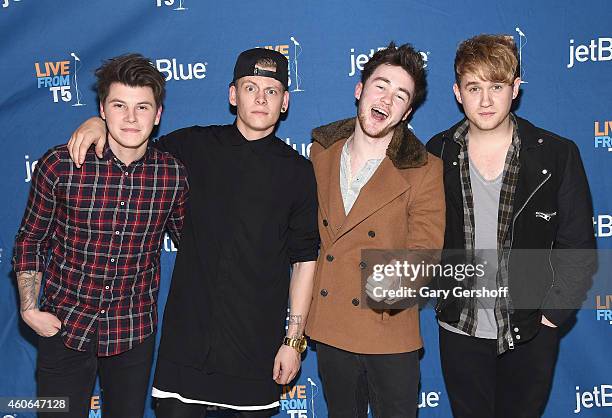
[{"x": 510, "y": 339}]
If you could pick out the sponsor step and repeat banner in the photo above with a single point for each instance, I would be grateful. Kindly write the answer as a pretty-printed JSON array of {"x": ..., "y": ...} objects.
[{"x": 50, "y": 50}]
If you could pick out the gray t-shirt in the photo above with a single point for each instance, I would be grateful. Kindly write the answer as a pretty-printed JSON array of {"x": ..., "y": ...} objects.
[{"x": 486, "y": 204}]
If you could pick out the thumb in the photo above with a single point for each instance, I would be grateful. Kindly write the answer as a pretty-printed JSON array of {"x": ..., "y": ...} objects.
[{"x": 276, "y": 371}]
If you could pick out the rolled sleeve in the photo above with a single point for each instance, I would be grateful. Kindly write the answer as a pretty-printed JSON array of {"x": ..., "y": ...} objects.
[{"x": 33, "y": 238}]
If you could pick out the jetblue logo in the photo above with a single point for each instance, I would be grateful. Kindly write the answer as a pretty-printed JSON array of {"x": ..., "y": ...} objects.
[
  {"x": 358, "y": 60},
  {"x": 177, "y": 71},
  {"x": 603, "y": 226},
  {"x": 5, "y": 4},
  {"x": 599, "y": 397},
  {"x": 599, "y": 49}
]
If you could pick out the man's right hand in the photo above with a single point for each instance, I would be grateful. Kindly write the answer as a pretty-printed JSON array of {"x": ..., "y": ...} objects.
[
  {"x": 44, "y": 324},
  {"x": 92, "y": 131}
]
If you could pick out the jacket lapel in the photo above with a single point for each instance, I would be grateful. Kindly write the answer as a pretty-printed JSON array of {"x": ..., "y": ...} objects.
[{"x": 328, "y": 186}]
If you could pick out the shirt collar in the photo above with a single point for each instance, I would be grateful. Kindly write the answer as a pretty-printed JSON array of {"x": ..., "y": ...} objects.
[
  {"x": 236, "y": 138},
  {"x": 460, "y": 135},
  {"x": 109, "y": 155}
]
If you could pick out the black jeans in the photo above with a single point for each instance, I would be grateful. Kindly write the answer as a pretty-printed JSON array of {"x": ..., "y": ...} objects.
[
  {"x": 481, "y": 384},
  {"x": 388, "y": 382},
  {"x": 173, "y": 408},
  {"x": 124, "y": 378}
]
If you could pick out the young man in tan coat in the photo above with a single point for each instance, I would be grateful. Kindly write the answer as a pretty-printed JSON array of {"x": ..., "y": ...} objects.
[{"x": 378, "y": 188}]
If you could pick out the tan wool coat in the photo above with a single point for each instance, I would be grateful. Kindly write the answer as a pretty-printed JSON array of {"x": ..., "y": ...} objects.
[{"x": 401, "y": 207}]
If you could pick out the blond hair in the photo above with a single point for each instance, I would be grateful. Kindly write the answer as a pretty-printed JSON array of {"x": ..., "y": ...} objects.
[{"x": 490, "y": 57}]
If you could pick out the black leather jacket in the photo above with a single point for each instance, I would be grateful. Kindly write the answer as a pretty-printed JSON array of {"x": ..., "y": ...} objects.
[{"x": 551, "y": 180}]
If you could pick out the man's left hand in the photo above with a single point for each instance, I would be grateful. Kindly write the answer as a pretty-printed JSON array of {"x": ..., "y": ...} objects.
[{"x": 286, "y": 365}]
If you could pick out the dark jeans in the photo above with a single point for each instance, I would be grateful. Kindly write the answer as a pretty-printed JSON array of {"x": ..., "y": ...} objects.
[
  {"x": 173, "y": 408},
  {"x": 388, "y": 382},
  {"x": 124, "y": 378},
  {"x": 481, "y": 384}
]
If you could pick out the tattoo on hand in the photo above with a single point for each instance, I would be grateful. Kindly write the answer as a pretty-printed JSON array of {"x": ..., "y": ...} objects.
[{"x": 29, "y": 283}]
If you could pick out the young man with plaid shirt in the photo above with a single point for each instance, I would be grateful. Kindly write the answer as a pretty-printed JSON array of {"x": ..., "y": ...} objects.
[{"x": 96, "y": 234}]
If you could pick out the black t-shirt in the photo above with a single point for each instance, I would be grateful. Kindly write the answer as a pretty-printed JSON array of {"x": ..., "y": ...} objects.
[{"x": 252, "y": 212}]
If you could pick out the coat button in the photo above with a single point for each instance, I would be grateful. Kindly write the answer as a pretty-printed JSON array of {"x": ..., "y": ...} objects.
[
  {"x": 540, "y": 140},
  {"x": 362, "y": 265},
  {"x": 516, "y": 329},
  {"x": 324, "y": 292},
  {"x": 518, "y": 337},
  {"x": 329, "y": 258},
  {"x": 371, "y": 234},
  {"x": 325, "y": 223},
  {"x": 355, "y": 302}
]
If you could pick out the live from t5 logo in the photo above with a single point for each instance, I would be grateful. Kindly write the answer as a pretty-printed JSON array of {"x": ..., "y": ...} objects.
[
  {"x": 603, "y": 308},
  {"x": 298, "y": 401},
  {"x": 603, "y": 135},
  {"x": 292, "y": 50},
  {"x": 359, "y": 58},
  {"x": 178, "y": 5},
  {"x": 60, "y": 77}
]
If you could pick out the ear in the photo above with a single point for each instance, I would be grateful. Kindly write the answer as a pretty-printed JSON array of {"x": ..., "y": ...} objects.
[
  {"x": 158, "y": 116},
  {"x": 102, "y": 115},
  {"x": 457, "y": 93},
  {"x": 232, "y": 95},
  {"x": 285, "y": 101},
  {"x": 408, "y": 112},
  {"x": 516, "y": 84},
  {"x": 358, "y": 90}
]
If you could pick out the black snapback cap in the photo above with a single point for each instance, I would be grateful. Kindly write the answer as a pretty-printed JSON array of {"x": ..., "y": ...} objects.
[{"x": 245, "y": 65}]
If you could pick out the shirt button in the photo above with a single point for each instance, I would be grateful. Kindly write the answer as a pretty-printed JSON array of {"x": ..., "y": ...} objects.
[
  {"x": 454, "y": 162},
  {"x": 362, "y": 265},
  {"x": 126, "y": 173},
  {"x": 329, "y": 258},
  {"x": 540, "y": 141},
  {"x": 107, "y": 287},
  {"x": 102, "y": 311},
  {"x": 122, "y": 203},
  {"x": 355, "y": 302},
  {"x": 325, "y": 223},
  {"x": 324, "y": 292},
  {"x": 112, "y": 260},
  {"x": 371, "y": 234},
  {"x": 116, "y": 232}
]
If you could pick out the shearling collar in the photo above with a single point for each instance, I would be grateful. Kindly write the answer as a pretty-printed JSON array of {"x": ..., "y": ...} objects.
[{"x": 405, "y": 150}]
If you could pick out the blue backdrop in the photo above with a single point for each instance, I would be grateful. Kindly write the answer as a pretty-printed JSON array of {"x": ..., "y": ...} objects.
[{"x": 49, "y": 51}]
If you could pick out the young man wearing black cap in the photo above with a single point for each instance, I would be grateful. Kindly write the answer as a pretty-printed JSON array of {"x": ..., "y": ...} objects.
[{"x": 246, "y": 223}]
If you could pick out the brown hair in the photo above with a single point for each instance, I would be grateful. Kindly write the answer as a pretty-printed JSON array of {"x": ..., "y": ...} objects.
[
  {"x": 406, "y": 57},
  {"x": 133, "y": 70},
  {"x": 490, "y": 57}
]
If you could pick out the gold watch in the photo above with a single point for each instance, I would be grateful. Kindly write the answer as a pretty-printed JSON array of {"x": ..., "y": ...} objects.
[{"x": 299, "y": 344}]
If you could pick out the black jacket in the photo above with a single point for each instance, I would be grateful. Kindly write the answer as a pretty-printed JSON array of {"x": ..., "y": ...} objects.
[{"x": 551, "y": 180}]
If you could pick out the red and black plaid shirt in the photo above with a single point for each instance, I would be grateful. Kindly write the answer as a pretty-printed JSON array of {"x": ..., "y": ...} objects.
[{"x": 103, "y": 225}]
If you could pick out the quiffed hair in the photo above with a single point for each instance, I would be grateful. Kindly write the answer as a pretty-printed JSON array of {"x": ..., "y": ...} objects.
[
  {"x": 405, "y": 57},
  {"x": 490, "y": 57},
  {"x": 133, "y": 70}
]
